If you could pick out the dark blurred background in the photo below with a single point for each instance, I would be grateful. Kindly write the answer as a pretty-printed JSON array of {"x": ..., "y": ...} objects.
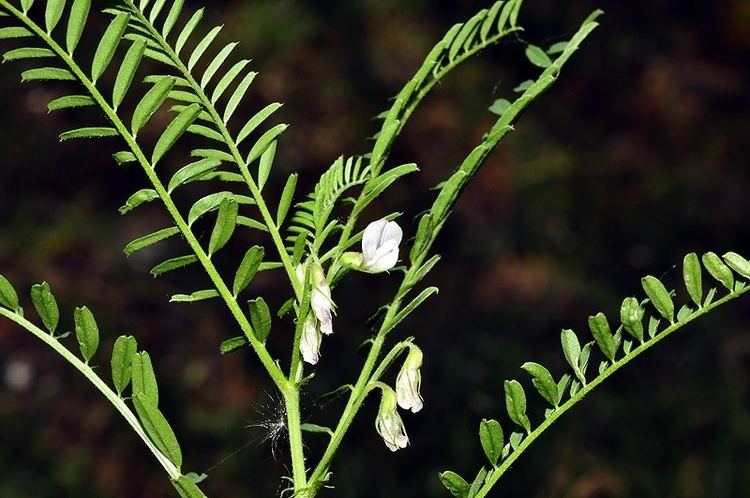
[{"x": 635, "y": 157}]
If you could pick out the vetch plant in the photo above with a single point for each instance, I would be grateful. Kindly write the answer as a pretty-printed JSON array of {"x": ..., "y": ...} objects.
[{"x": 161, "y": 57}]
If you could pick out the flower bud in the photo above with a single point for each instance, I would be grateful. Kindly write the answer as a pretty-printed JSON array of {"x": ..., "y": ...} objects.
[
  {"x": 309, "y": 343},
  {"x": 388, "y": 423},
  {"x": 380, "y": 246},
  {"x": 320, "y": 300},
  {"x": 409, "y": 381}
]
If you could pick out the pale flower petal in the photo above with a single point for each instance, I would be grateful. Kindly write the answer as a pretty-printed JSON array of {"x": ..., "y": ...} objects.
[
  {"x": 388, "y": 423},
  {"x": 310, "y": 341},
  {"x": 380, "y": 245},
  {"x": 409, "y": 382}
]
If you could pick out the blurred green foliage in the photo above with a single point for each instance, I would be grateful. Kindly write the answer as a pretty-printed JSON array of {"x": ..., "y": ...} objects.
[{"x": 636, "y": 157}]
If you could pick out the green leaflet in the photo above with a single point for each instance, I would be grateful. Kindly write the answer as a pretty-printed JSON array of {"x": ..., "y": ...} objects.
[
  {"x": 46, "y": 306},
  {"x": 572, "y": 350},
  {"x": 455, "y": 484},
  {"x": 172, "y": 16},
  {"x": 423, "y": 238},
  {"x": 538, "y": 57},
  {"x": 256, "y": 120},
  {"x": 144, "y": 378},
  {"x": 477, "y": 482},
  {"x": 127, "y": 71},
  {"x": 247, "y": 269},
  {"x": 260, "y": 317},
  {"x": 287, "y": 195},
  {"x": 226, "y": 222},
  {"x": 27, "y": 53},
  {"x": 173, "y": 264},
  {"x": 191, "y": 172},
  {"x": 228, "y": 79},
  {"x": 233, "y": 344},
  {"x": 237, "y": 95},
  {"x": 108, "y": 45},
  {"x": 53, "y": 13},
  {"x": 26, "y": 5},
  {"x": 216, "y": 63},
  {"x": 149, "y": 240},
  {"x": 490, "y": 20},
  {"x": 205, "y": 131},
  {"x": 150, "y": 103},
  {"x": 265, "y": 141},
  {"x": 91, "y": 132},
  {"x": 631, "y": 316},
  {"x": 219, "y": 155},
  {"x": 13, "y": 32},
  {"x": 211, "y": 202},
  {"x": 79, "y": 12},
  {"x": 158, "y": 428},
  {"x": 124, "y": 157},
  {"x": 202, "y": 46},
  {"x": 200, "y": 295},
  {"x": 599, "y": 327},
  {"x": 515, "y": 404},
  {"x": 463, "y": 36},
  {"x": 140, "y": 197},
  {"x": 188, "y": 30},
  {"x": 69, "y": 102},
  {"x": 543, "y": 382},
  {"x": 266, "y": 162},
  {"x": 174, "y": 131},
  {"x": 155, "y": 10},
  {"x": 8, "y": 296},
  {"x": 738, "y": 264},
  {"x": 87, "y": 332},
  {"x": 122, "y": 362},
  {"x": 491, "y": 439},
  {"x": 382, "y": 144},
  {"x": 718, "y": 270},
  {"x": 47, "y": 74},
  {"x": 659, "y": 296},
  {"x": 692, "y": 275}
]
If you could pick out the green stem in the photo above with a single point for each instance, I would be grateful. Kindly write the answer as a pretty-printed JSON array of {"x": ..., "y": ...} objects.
[
  {"x": 273, "y": 369},
  {"x": 268, "y": 219},
  {"x": 604, "y": 375},
  {"x": 88, "y": 372},
  {"x": 294, "y": 426}
]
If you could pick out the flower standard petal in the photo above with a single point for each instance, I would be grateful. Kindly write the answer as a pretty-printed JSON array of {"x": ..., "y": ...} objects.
[
  {"x": 380, "y": 246},
  {"x": 309, "y": 344},
  {"x": 371, "y": 236}
]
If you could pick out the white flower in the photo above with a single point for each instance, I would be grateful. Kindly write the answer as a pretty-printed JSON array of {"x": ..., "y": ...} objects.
[
  {"x": 309, "y": 343},
  {"x": 320, "y": 300},
  {"x": 388, "y": 423},
  {"x": 409, "y": 381},
  {"x": 380, "y": 245}
]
